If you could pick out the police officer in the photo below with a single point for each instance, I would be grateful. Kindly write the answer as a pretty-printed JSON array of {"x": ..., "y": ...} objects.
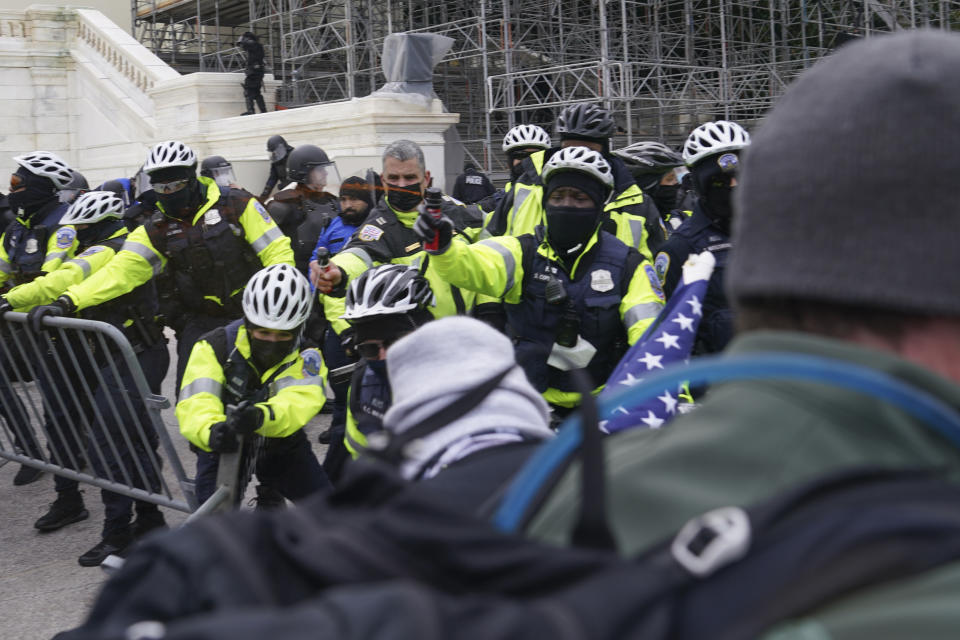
[
  {"x": 472, "y": 186},
  {"x": 279, "y": 150},
  {"x": 653, "y": 165},
  {"x": 383, "y": 305},
  {"x": 519, "y": 143},
  {"x": 253, "y": 78},
  {"x": 218, "y": 169},
  {"x": 255, "y": 365},
  {"x": 576, "y": 296},
  {"x": 632, "y": 218},
  {"x": 387, "y": 236},
  {"x": 116, "y": 452},
  {"x": 305, "y": 210},
  {"x": 33, "y": 244},
  {"x": 206, "y": 240},
  {"x": 712, "y": 151}
]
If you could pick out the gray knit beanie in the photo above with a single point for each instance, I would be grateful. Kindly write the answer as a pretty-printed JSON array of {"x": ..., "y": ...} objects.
[
  {"x": 848, "y": 192},
  {"x": 433, "y": 366}
]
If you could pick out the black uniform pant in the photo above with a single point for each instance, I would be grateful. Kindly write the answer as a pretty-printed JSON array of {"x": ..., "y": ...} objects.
[
  {"x": 252, "y": 83},
  {"x": 62, "y": 369},
  {"x": 118, "y": 450},
  {"x": 285, "y": 464}
]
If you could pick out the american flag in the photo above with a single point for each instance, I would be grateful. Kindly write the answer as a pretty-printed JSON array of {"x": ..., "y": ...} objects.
[{"x": 669, "y": 340}]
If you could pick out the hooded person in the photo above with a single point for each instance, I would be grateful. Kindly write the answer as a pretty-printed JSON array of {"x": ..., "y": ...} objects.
[
  {"x": 575, "y": 296},
  {"x": 457, "y": 407}
]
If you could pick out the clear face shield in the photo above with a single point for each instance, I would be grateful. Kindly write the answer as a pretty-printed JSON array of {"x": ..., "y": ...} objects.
[
  {"x": 141, "y": 183},
  {"x": 278, "y": 154},
  {"x": 223, "y": 176},
  {"x": 67, "y": 196},
  {"x": 324, "y": 177}
]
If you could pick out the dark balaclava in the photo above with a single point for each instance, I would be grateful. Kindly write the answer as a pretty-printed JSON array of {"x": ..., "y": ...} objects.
[
  {"x": 569, "y": 228},
  {"x": 356, "y": 188},
  {"x": 266, "y": 354},
  {"x": 39, "y": 192},
  {"x": 516, "y": 170},
  {"x": 98, "y": 231},
  {"x": 711, "y": 178},
  {"x": 665, "y": 196},
  {"x": 184, "y": 203}
]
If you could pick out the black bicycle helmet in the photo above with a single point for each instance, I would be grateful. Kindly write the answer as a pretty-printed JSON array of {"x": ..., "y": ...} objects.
[
  {"x": 649, "y": 157},
  {"x": 303, "y": 159},
  {"x": 585, "y": 121}
]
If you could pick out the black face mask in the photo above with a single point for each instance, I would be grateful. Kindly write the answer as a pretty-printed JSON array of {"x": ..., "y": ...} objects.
[
  {"x": 29, "y": 200},
  {"x": 568, "y": 227},
  {"x": 716, "y": 203},
  {"x": 266, "y": 354},
  {"x": 665, "y": 197},
  {"x": 99, "y": 231},
  {"x": 379, "y": 367},
  {"x": 181, "y": 204},
  {"x": 352, "y": 217},
  {"x": 404, "y": 198}
]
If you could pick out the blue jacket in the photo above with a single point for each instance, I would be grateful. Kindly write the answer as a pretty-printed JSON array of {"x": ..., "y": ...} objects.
[{"x": 334, "y": 236}]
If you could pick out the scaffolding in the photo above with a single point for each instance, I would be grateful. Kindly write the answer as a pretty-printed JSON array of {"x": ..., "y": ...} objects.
[{"x": 663, "y": 66}]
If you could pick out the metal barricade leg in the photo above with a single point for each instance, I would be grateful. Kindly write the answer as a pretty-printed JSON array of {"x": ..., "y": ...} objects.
[{"x": 121, "y": 407}]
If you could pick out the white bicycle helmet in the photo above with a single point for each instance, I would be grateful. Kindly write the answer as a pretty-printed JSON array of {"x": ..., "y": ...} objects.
[
  {"x": 47, "y": 164},
  {"x": 277, "y": 297},
  {"x": 92, "y": 207},
  {"x": 387, "y": 289},
  {"x": 171, "y": 153},
  {"x": 579, "y": 159},
  {"x": 525, "y": 136},
  {"x": 712, "y": 138}
]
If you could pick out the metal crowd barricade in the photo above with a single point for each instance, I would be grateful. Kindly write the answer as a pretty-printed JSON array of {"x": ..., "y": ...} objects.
[{"x": 50, "y": 420}]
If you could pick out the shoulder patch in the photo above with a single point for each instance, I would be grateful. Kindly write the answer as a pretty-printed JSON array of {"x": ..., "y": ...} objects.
[
  {"x": 92, "y": 250},
  {"x": 661, "y": 265},
  {"x": 370, "y": 233},
  {"x": 312, "y": 362},
  {"x": 655, "y": 281},
  {"x": 262, "y": 211},
  {"x": 65, "y": 237}
]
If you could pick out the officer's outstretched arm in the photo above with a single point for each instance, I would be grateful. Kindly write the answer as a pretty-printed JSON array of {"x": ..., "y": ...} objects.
[
  {"x": 642, "y": 303},
  {"x": 49, "y": 287},
  {"x": 262, "y": 233},
  {"x": 493, "y": 266},
  {"x": 199, "y": 406},
  {"x": 296, "y": 396},
  {"x": 135, "y": 263}
]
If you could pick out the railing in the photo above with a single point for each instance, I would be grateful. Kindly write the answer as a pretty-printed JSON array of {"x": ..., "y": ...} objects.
[{"x": 127, "y": 56}]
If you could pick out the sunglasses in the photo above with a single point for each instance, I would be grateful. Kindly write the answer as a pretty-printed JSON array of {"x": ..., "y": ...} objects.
[
  {"x": 16, "y": 181},
  {"x": 169, "y": 187}
]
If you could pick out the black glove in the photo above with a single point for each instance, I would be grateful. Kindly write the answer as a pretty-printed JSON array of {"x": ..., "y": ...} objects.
[
  {"x": 348, "y": 340},
  {"x": 265, "y": 194},
  {"x": 223, "y": 439},
  {"x": 62, "y": 306},
  {"x": 428, "y": 228},
  {"x": 246, "y": 420}
]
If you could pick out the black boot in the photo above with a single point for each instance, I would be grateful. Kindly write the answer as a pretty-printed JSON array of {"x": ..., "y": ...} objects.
[
  {"x": 261, "y": 103},
  {"x": 249, "y": 110},
  {"x": 115, "y": 544},
  {"x": 26, "y": 475},
  {"x": 268, "y": 498},
  {"x": 66, "y": 509}
]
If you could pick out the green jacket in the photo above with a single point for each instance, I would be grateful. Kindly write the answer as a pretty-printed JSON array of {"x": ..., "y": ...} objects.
[{"x": 751, "y": 440}]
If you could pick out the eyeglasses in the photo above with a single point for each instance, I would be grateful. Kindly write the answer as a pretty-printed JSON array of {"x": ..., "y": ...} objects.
[
  {"x": 169, "y": 187},
  {"x": 370, "y": 350}
]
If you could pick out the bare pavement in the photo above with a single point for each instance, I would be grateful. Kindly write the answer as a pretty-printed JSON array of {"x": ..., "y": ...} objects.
[{"x": 43, "y": 590}]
